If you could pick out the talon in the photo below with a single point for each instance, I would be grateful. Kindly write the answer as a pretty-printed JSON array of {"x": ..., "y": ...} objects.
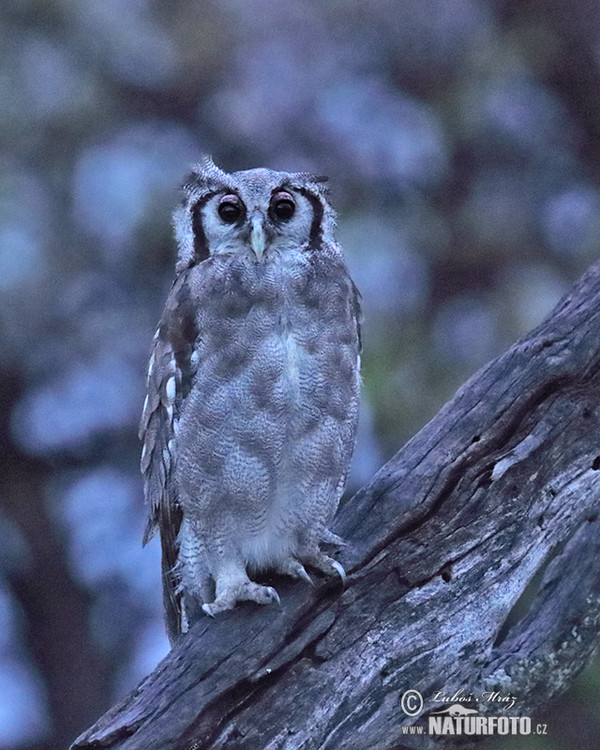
[
  {"x": 301, "y": 573},
  {"x": 207, "y": 609},
  {"x": 330, "y": 538},
  {"x": 340, "y": 571},
  {"x": 295, "y": 569},
  {"x": 326, "y": 565}
]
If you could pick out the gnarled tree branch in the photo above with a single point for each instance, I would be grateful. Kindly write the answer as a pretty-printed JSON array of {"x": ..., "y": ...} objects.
[{"x": 503, "y": 484}]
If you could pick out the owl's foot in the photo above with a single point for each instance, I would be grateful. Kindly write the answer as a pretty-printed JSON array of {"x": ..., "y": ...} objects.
[
  {"x": 328, "y": 537},
  {"x": 248, "y": 591},
  {"x": 294, "y": 569},
  {"x": 326, "y": 565}
]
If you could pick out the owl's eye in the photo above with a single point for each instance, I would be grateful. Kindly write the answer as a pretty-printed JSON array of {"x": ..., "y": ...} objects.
[
  {"x": 230, "y": 208},
  {"x": 282, "y": 206}
]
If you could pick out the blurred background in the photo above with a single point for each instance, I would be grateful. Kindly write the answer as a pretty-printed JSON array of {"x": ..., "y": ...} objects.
[{"x": 461, "y": 139}]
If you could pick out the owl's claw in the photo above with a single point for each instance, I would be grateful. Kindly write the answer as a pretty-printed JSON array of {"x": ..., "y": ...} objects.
[
  {"x": 340, "y": 571},
  {"x": 327, "y": 565},
  {"x": 330, "y": 538},
  {"x": 268, "y": 595},
  {"x": 248, "y": 591},
  {"x": 301, "y": 573},
  {"x": 295, "y": 569}
]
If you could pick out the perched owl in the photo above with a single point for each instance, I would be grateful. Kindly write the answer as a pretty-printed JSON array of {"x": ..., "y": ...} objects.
[{"x": 250, "y": 419}]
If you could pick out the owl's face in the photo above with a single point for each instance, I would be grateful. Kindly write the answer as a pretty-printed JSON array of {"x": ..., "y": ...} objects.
[{"x": 257, "y": 212}]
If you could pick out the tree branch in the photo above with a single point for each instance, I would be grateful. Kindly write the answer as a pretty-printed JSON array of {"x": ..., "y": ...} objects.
[{"x": 503, "y": 484}]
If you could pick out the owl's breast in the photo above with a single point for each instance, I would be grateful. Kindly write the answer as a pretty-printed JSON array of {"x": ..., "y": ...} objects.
[
  {"x": 312, "y": 334},
  {"x": 273, "y": 410},
  {"x": 279, "y": 342}
]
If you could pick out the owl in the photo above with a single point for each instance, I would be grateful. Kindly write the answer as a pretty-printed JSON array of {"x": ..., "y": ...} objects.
[{"x": 250, "y": 417}]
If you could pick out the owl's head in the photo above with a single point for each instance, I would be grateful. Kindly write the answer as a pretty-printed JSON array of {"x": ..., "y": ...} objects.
[{"x": 258, "y": 212}]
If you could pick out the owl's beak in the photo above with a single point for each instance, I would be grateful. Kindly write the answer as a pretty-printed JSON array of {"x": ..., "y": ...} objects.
[{"x": 257, "y": 235}]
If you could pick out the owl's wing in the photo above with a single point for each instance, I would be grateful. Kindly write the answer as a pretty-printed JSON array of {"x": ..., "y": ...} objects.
[
  {"x": 156, "y": 433},
  {"x": 358, "y": 316},
  {"x": 170, "y": 373}
]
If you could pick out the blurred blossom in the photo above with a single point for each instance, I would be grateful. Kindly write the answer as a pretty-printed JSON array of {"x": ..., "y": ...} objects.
[
  {"x": 500, "y": 210},
  {"x": 411, "y": 389},
  {"x": 22, "y": 231},
  {"x": 367, "y": 457},
  {"x": 264, "y": 115},
  {"x": 20, "y": 255},
  {"x": 116, "y": 183},
  {"x": 528, "y": 292},
  {"x": 69, "y": 412},
  {"x": 392, "y": 278},
  {"x": 293, "y": 80},
  {"x": 151, "y": 646},
  {"x": 7, "y": 620},
  {"x": 104, "y": 515},
  {"x": 15, "y": 553},
  {"x": 524, "y": 112},
  {"x": 429, "y": 35},
  {"x": 465, "y": 332},
  {"x": 571, "y": 222},
  {"x": 53, "y": 82},
  {"x": 266, "y": 96},
  {"x": 387, "y": 135},
  {"x": 114, "y": 614},
  {"x": 124, "y": 37},
  {"x": 23, "y": 717},
  {"x": 516, "y": 111}
]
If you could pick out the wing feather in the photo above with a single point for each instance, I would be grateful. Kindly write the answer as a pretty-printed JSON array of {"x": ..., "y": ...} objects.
[
  {"x": 156, "y": 433},
  {"x": 170, "y": 373}
]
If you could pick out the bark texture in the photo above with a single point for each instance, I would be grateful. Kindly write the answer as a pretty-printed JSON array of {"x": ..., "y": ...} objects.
[{"x": 500, "y": 489}]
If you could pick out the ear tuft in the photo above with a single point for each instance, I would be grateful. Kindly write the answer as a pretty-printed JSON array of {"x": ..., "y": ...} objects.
[{"x": 205, "y": 176}]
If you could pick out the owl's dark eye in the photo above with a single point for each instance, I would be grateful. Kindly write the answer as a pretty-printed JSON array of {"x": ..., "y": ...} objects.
[
  {"x": 230, "y": 208},
  {"x": 282, "y": 206}
]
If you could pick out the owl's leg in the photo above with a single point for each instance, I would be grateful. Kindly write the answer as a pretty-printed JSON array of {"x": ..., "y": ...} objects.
[
  {"x": 233, "y": 586},
  {"x": 191, "y": 608},
  {"x": 196, "y": 584},
  {"x": 194, "y": 589}
]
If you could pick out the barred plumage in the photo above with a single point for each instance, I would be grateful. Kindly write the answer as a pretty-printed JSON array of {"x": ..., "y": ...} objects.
[{"x": 250, "y": 419}]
